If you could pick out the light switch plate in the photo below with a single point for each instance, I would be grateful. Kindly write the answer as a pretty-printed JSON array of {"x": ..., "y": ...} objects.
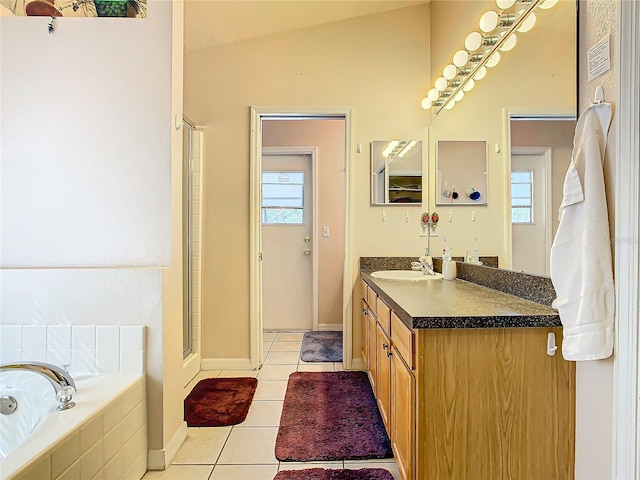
[{"x": 325, "y": 231}]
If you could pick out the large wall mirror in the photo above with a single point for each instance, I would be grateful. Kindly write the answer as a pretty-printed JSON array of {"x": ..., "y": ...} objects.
[
  {"x": 461, "y": 172},
  {"x": 396, "y": 172},
  {"x": 524, "y": 109}
]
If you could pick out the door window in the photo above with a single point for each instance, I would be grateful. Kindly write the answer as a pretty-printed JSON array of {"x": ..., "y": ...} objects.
[
  {"x": 522, "y": 196},
  {"x": 282, "y": 198}
]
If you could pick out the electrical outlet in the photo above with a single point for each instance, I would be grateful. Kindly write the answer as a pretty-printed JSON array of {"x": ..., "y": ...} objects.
[
  {"x": 384, "y": 216},
  {"x": 473, "y": 215},
  {"x": 325, "y": 231},
  {"x": 406, "y": 216}
]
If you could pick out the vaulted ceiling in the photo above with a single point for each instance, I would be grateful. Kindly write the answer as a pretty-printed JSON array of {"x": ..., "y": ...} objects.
[{"x": 215, "y": 22}]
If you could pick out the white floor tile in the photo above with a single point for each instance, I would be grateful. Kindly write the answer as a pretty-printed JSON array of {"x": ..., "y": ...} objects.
[
  {"x": 181, "y": 472},
  {"x": 302, "y": 466},
  {"x": 270, "y": 390},
  {"x": 263, "y": 414},
  {"x": 202, "y": 446},
  {"x": 244, "y": 472},
  {"x": 286, "y": 347},
  {"x": 315, "y": 367},
  {"x": 276, "y": 372},
  {"x": 289, "y": 337},
  {"x": 266, "y": 346},
  {"x": 238, "y": 373},
  {"x": 282, "y": 358},
  {"x": 268, "y": 336},
  {"x": 250, "y": 445}
]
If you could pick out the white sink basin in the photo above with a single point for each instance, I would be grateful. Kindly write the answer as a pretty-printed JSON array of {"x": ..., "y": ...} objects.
[{"x": 405, "y": 275}]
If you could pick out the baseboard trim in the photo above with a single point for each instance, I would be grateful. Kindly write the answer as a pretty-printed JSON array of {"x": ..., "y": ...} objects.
[
  {"x": 161, "y": 459},
  {"x": 357, "y": 364},
  {"x": 225, "y": 364},
  {"x": 190, "y": 368},
  {"x": 330, "y": 327}
]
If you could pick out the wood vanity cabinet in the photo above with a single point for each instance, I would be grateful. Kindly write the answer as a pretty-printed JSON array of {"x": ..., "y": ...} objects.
[{"x": 472, "y": 403}]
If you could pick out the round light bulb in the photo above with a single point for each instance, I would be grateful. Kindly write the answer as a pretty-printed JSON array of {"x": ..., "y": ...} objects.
[
  {"x": 473, "y": 41},
  {"x": 528, "y": 23},
  {"x": 488, "y": 21},
  {"x": 433, "y": 94},
  {"x": 504, "y": 4},
  {"x": 459, "y": 96},
  {"x": 441, "y": 84},
  {"x": 426, "y": 103},
  {"x": 493, "y": 60},
  {"x": 469, "y": 85},
  {"x": 509, "y": 43},
  {"x": 548, "y": 4},
  {"x": 449, "y": 72},
  {"x": 450, "y": 105},
  {"x": 482, "y": 71},
  {"x": 460, "y": 58}
]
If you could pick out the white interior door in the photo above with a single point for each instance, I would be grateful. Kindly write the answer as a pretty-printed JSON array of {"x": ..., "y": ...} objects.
[
  {"x": 531, "y": 230},
  {"x": 287, "y": 233}
]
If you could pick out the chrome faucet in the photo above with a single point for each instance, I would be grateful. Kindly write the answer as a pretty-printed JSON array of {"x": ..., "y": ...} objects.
[
  {"x": 61, "y": 381},
  {"x": 427, "y": 266}
]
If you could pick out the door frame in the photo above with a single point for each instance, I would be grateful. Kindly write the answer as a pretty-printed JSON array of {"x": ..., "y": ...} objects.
[
  {"x": 255, "y": 223},
  {"x": 510, "y": 113},
  {"x": 313, "y": 153},
  {"x": 546, "y": 152}
]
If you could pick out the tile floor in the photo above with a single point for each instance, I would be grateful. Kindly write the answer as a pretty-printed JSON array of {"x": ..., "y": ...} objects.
[{"x": 246, "y": 451}]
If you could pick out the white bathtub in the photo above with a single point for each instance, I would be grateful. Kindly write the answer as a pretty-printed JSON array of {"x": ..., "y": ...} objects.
[{"x": 103, "y": 436}]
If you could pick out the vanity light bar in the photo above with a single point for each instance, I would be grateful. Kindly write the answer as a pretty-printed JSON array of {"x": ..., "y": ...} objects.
[{"x": 482, "y": 51}]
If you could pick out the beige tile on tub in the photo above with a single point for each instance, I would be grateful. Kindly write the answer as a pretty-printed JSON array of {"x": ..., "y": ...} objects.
[{"x": 202, "y": 445}]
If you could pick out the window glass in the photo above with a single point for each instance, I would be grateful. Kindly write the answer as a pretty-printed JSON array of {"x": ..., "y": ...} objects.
[
  {"x": 282, "y": 198},
  {"x": 522, "y": 196}
]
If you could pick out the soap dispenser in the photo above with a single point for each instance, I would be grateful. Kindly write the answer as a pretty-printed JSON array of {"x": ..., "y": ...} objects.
[{"x": 448, "y": 266}]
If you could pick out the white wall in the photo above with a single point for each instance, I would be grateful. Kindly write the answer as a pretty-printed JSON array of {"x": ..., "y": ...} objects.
[{"x": 86, "y": 139}]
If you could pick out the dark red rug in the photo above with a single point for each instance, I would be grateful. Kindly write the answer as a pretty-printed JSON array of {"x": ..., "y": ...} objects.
[
  {"x": 322, "y": 474},
  {"x": 218, "y": 402},
  {"x": 330, "y": 416}
]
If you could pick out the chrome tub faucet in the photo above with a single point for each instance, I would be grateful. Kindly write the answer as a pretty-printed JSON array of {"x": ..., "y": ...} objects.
[{"x": 61, "y": 381}]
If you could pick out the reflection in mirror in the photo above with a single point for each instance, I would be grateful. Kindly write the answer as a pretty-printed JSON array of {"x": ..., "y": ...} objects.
[
  {"x": 461, "y": 172},
  {"x": 396, "y": 172},
  {"x": 534, "y": 83}
]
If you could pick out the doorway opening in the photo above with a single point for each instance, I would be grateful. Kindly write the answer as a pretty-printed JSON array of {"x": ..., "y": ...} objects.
[
  {"x": 299, "y": 211},
  {"x": 537, "y": 154}
]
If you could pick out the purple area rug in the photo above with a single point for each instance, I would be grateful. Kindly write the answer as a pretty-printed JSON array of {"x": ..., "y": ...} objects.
[
  {"x": 321, "y": 347},
  {"x": 322, "y": 474},
  {"x": 330, "y": 416}
]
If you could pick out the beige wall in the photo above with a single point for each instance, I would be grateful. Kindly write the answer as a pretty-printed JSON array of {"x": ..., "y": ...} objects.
[
  {"x": 329, "y": 137},
  {"x": 539, "y": 73},
  {"x": 377, "y": 65},
  {"x": 594, "y": 380}
]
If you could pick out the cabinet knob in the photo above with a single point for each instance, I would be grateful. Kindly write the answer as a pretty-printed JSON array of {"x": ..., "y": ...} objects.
[
  {"x": 385, "y": 346},
  {"x": 389, "y": 353}
]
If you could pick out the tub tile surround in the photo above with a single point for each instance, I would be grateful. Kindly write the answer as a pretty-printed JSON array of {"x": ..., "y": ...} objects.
[
  {"x": 507, "y": 299},
  {"x": 86, "y": 349},
  {"x": 105, "y": 435}
]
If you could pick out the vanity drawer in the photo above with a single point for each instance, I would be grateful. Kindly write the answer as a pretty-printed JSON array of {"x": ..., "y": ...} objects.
[
  {"x": 402, "y": 339},
  {"x": 384, "y": 316}
]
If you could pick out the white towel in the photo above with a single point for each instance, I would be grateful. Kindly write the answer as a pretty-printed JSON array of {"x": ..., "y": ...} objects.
[{"x": 581, "y": 270}]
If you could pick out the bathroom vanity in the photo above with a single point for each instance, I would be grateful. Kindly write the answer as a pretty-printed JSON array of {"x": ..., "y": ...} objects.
[{"x": 464, "y": 382}]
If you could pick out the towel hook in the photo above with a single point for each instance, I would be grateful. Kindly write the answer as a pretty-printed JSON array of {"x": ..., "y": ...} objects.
[{"x": 599, "y": 95}]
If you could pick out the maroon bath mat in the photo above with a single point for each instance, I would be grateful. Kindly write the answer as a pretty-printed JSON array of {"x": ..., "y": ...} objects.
[
  {"x": 322, "y": 474},
  {"x": 330, "y": 416},
  {"x": 218, "y": 402}
]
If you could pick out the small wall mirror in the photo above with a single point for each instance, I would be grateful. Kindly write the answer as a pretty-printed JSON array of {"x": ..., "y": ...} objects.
[
  {"x": 461, "y": 172},
  {"x": 396, "y": 172}
]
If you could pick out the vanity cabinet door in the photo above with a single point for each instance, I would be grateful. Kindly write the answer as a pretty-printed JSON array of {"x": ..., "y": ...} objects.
[
  {"x": 371, "y": 349},
  {"x": 403, "y": 419},
  {"x": 383, "y": 375},
  {"x": 365, "y": 330}
]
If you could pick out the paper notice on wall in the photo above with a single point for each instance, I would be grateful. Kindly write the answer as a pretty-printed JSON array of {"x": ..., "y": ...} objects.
[{"x": 598, "y": 59}]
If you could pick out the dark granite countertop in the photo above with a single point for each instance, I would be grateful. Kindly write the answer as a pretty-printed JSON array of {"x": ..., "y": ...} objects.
[{"x": 459, "y": 304}]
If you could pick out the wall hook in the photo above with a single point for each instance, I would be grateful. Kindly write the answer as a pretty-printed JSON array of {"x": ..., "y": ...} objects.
[
  {"x": 51, "y": 27},
  {"x": 599, "y": 95}
]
